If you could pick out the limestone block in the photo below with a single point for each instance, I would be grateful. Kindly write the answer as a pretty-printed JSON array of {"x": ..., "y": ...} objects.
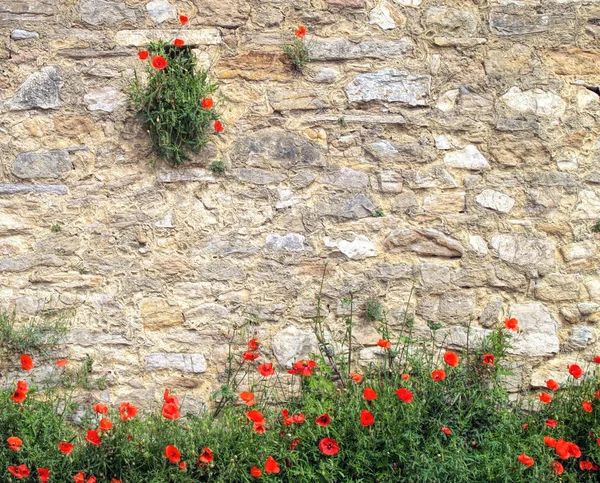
[
  {"x": 158, "y": 314},
  {"x": 538, "y": 334},
  {"x": 292, "y": 344}
]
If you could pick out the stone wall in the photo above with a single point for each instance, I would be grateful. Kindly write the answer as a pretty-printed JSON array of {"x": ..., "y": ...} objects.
[{"x": 472, "y": 125}]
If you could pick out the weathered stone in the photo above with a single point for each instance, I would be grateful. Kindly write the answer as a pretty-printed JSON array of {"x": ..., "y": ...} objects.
[
  {"x": 141, "y": 38},
  {"x": 461, "y": 23},
  {"x": 467, "y": 158},
  {"x": 588, "y": 308},
  {"x": 389, "y": 182},
  {"x": 581, "y": 337},
  {"x": 390, "y": 85},
  {"x": 447, "y": 101},
  {"x": 535, "y": 256},
  {"x": 401, "y": 152},
  {"x": 357, "y": 207},
  {"x": 40, "y": 90},
  {"x": 502, "y": 23},
  {"x": 511, "y": 151},
  {"x": 577, "y": 252},
  {"x": 554, "y": 369},
  {"x": 259, "y": 177},
  {"x": 255, "y": 66},
  {"x": 185, "y": 175},
  {"x": 47, "y": 164},
  {"x": 461, "y": 337},
  {"x": 325, "y": 75},
  {"x": 292, "y": 242},
  {"x": 346, "y": 178},
  {"x": 342, "y": 49},
  {"x": 161, "y": 10},
  {"x": 426, "y": 242},
  {"x": 435, "y": 177},
  {"x": 382, "y": 16},
  {"x": 295, "y": 99},
  {"x": 73, "y": 125},
  {"x": 435, "y": 276},
  {"x": 491, "y": 313},
  {"x": 357, "y": 249},
  {"x": 535, "y": 102},
  {"x": 22, "y": 264},
  {"x": 459, "y": 42},
  {"x": 386, "y": 271},
  {"x": 158, "y": 314},
  {"x": 557, "y": 287},
  {"x": 495, "y": 200},
  {"x": 478, "y": 245},
  {"x": 223, "y": 13},
  {"x": 292, "y": 344},
  {"x": 92, "y": 338},
  {"x": 551, "y": 178},
  {"x": 405, "y": 203},
  {"x": 221, "y": 271},
  {"x": 588, "y": 205},
  {"x": 107, "y": 99},
  {"x": 19, "y": 34},
  {"x": 192, "y": 363},
  {"x": 206, "y": 315},
  {"x": 451, "y": 202},
  {"x": 102, "y": 12},
  {"x": 538, "y": 334},
  {"x": 14, "y": 189},
  {"x": 592, "y": 285}
]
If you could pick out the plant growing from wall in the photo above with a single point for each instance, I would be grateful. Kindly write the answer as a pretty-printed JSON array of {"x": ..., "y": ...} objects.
[
  {"x": 298, "y": 51},
  {"x": 174, "y": 101}
]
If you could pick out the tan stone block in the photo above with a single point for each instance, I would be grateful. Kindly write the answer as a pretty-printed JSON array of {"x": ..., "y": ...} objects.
[
  {"x": 73, "y": 125},
  {"x": 574, "y": 62},
  {"x": 158, "y": 313},
  {"x": 255, "y": 66},
  {"x": 453, "y": 202}
]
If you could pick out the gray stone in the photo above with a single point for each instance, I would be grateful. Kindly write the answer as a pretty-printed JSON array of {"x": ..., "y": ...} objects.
[
  {"x": 292, "y": 242},
  {"x": 166, "y": 221},
  {"x": 405, "y": 203},
  {"x": 342, "y": 49},
  {"x": 502, "y": 23},
  {"x": 259, "y": 177},
  {"x": 107, "y": 99},
  {"x": 92, "y": 338},
  {"x": 434, "y": 177},
  {"x": 495, "y": 200},
  {"x": 557, "y": 287},
  {"x": 382, "y": 16},
  {"x": 47, "y": 164},
  {"x": 346, "y": 178},
  {"x": 24, "y": 263},
  {"x": 325, "y": 75},
  {"x": 101, "y": 12},
  {"x": 581, "y": 336},
  {"x": 16, "y": 188},
  {"x": 467, "y": 158},
  {"x": 141, "y": 38},
  {"x": 491, "y": 313},
  {"x": 460, "y": 23},
  {"x": 26, "y": 10},
  {"x": 588, "y": 205},
  {"x": 389, "y": 182},
  {"x": 18, "y": 34},
  {"x": 206, "y": 315},
  {"x": 357, "y": 207},
  {"x": 426, "y": 242},
  {"x": 451, "y": 202},
  {"x": 551, "y": 178},
  {"x": 535, "y": 102},
  {"x": 221, "y": 271},
  {"x": 292, "y": 344},
  {"x": 534, "y": 256},
  {"x": 588, "y": 308},
  {"x": 390, "y": 85},
  {"x": 192, "y": 363},
  {"x": 41, "y": 90},
  {"x": 402, "y": 271},
  {"x": 357, "y": 249},
  {"x": 302, "y": 180},
  {"x": 394, "y": 152},
  {"x": 185, "y": 175},
  {"x": 478, "y": 245},
  {"x": 284, "y": 99},
  {"x": 538, "y": 335},
  {"x": 435, "y": 276},
  {"x": 460, "y": 337},
  {"x": 570, "y": 315},
  {"x": 161, "y": 10}
]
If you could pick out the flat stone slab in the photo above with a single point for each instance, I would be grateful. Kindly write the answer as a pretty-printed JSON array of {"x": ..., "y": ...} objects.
[
  {"x": 46, "y": 164},
  {"x": 342, "y": 49},
  {"x": 390, "y": 85},
  {"x": 139, "y": 38},
  {"x": 18, "y": 188},
  {"x": 40, "y": 90},
  {"x": 193, "y": 363}
]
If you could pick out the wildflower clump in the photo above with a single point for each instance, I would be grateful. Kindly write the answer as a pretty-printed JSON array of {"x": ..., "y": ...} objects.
[{"x": 298, "y": 51}]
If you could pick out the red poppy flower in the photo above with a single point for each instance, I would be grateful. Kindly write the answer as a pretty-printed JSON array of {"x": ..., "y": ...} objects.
[
  {"x": 254, "y": 471},
  {"x": 255, "y": 416},
  {"x": 105, "y": 424},
  {"x": 62, "y": 362},
  {"x": 525, "y": 426},
  {"x": 253, "y": 344},
  {"x": 301, "y": 32},
  {"x": 294, "y": 443},
  {"x": 249, "y": 356},
  {"x": 170, "y": 411},
  {"x": 287, "y": 420},
  {"x": 357, "y": 378},
  {"x": 172, "y": 454},
  {"x": 329, "y": 446},
  {"x": 43, "y": 474},
  {"x": 369, "y": 394},
  {"x": 20, "y": 393},
  {"x": 299, "y": 418},
  {"x": 545, "y": 397},
  {"x": 488, "y": 359},
  {"x": 512, "y": 324},
  {"x": 127, "y": 411},
  {"x": 14, "y": 443},
  {"x": 404, "y": 395},
  {"x": 552, "y": 385},
  {"x": 159, "y": 62},
  {"x": 266, "y": 369},
  {"x": 183, "y": 19},
  {"x": 596, "y": 359},
  {"x": 575, "y": 371},
  {"x": 169, "y": 398},
  {"x": 587, "y": 465},
  {"x": 19, "y": 472},
  {"x": 558, "y": 468},
  {"x": 438, "y": 375},
  {"x": 526, "y": 460},
  {"x": 259, "y": 428},
  {"x": 587, "y": 406},
  {"x": 302, "y": 367},
  {"x": 446, "y": 430},
  {"x": 218, "y": 126},
  {"x": 79, "y": 478},
  {"x": 182, "y": 466},
  {"x": 143, "y": 54},
  {"x": 323, "y": 420},
  {"x": 26, "y": 362},
  {"x": 248, "y": 398},
  {"x": 551, "y": 423},
  {"x": 92, "y": 437},
  {"x": 405, "y": 377},
  {"x": 178, "y": 43},
  {"x": 65, "y": 447},
  {"x": 271, "y": 466},
  {"x": 366, "y": 418},
  {"x": 451, "y": 358},
  {"x": 550, "y": 441},
  {"x": 574, "y": 450},
  {"x": 207, "y": 103},
  {"x": 101, "y": 409},
  {"x": 205, "y": 457},
  {"x": 384, "y": 343}
]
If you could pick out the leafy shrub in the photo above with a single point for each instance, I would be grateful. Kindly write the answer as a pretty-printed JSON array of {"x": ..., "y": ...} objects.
[
  {"x": 174, "y": 103},
  {"x": 298, "y": 52},
  {"x": 217, "y": 167}
]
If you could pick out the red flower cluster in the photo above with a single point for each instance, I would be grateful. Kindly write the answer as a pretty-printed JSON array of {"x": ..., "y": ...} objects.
[
  {"x": 303, "y": 368},
  {"x": 294, "y": 419},
  {"x": 127, "y": 411},
  {"x": 266, "y": 369},
  {"x": 26, "y": 362},
  {"x": 258, "y": 419},
  {"x": 248, "y": 398},
  {"x": 170, "y": 408},
  {"x": 384, "y": 343},
  {"x": 20, "y": 393},
  {"x": 19, "y": 472},
  {"x": 451, "y": 358}
]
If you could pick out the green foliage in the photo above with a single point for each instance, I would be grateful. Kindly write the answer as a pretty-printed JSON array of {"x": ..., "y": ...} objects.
[
  {"x": 378, "y": 213},
  {"x": 217, "y": 167},
  {"x": 168, "y": 102},
  {"x": 596, "y": 227},
  {"x": 298, "y": 52},
  {"x": 373, "y": 310},
  {"x": 56, "y": 228}
]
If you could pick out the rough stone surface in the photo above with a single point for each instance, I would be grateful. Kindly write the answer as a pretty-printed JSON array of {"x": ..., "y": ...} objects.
[
  {"x": 161, "y": 10},
  {"x": 292, "y": 242},
  {"x": 390, "y": 85},
  {"x": 193, "y": 363},
  {"x": 19, "y": 34},
  {"x": 158, "y": 313},
  {"x": 533, "y": 255},
  {"x": 101, "y": 12},
  {"x": 359, "y": 248},
  {"x": 535, "y": 102},
  {"x": 107, "y": 99},
  {"x": 426, "y": 242},
  {"x": 40, "y": 90},
  {"x": 336, "y": 49},
  {"x": 292, "y": 344},
  {"x": 539, "y": 331},
  {"x": 495, "y": 200},
  {"x": 467, "y": 158},
  {"x": 47, "y": 164}
]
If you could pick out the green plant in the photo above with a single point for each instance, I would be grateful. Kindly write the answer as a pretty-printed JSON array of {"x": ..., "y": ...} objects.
[
  {"x": 596, "y": 227},
  {"x": 298, "y": 51},
  {"x": 217, "y": 167},
  {"x": 174, "y": 102},
  {"x": 378, "y": 213},
  {"x": 56, "y": 228},
  {"x": 373, "y": 310}
]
